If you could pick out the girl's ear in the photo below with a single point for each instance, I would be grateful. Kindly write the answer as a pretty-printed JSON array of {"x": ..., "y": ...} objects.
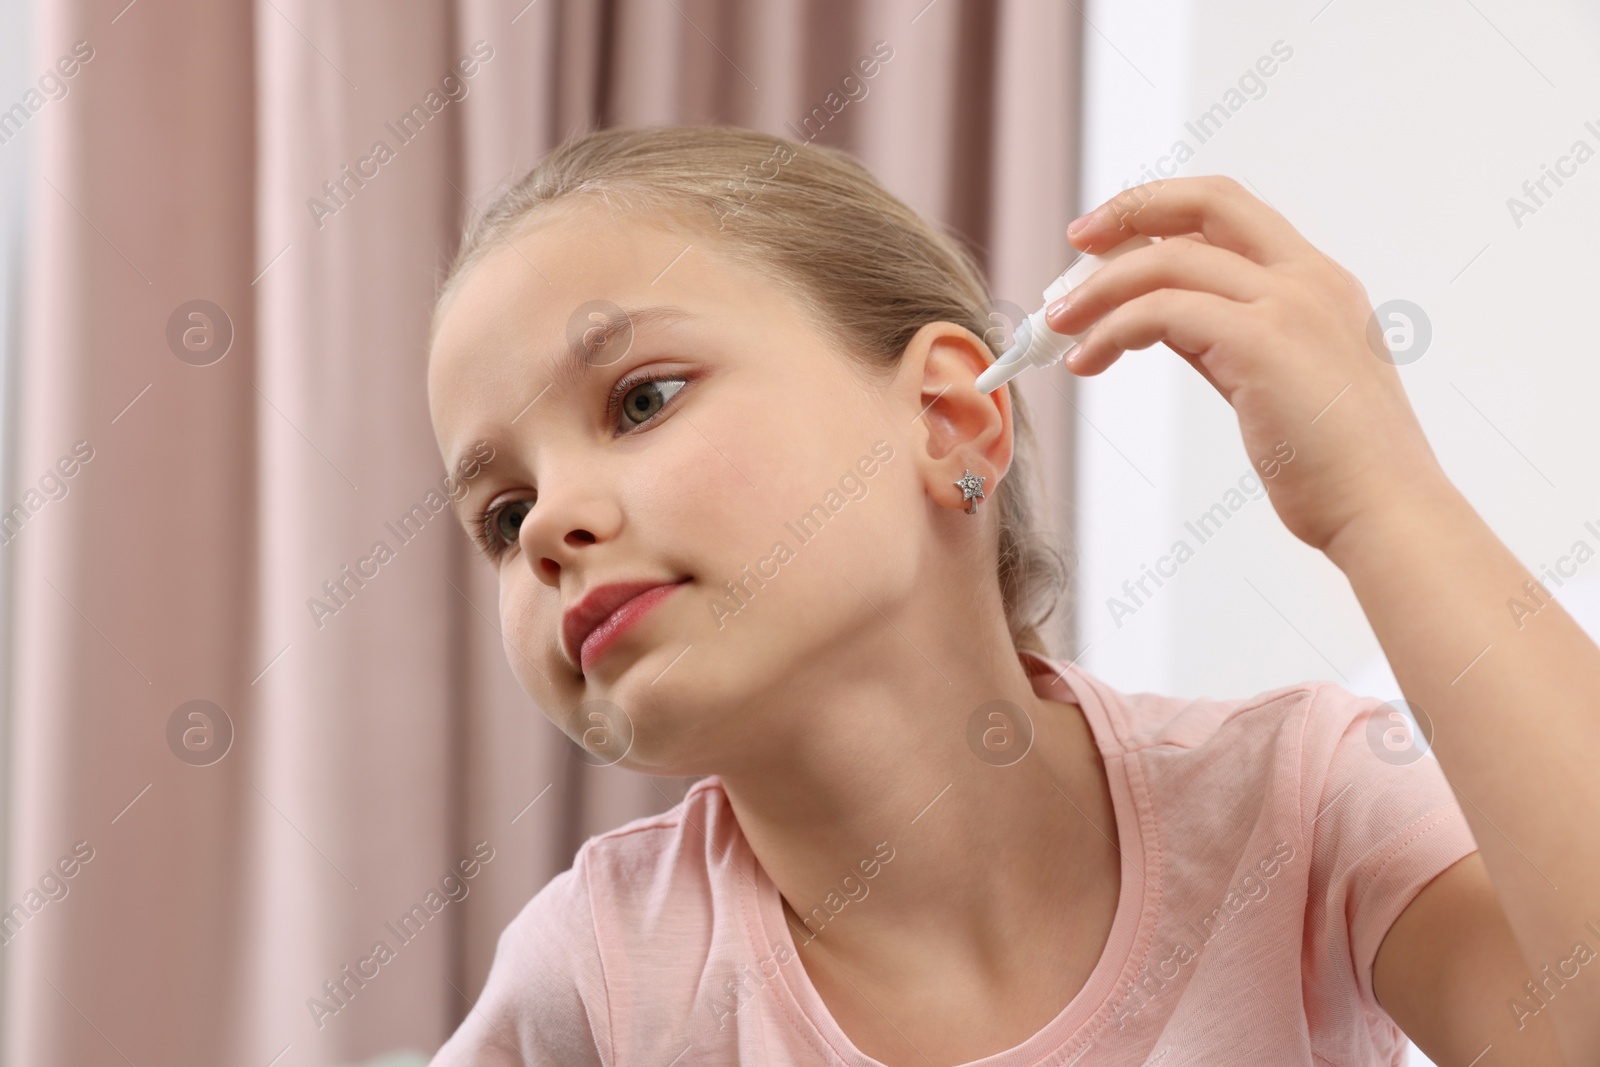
[{"x": 961, "y": 428}]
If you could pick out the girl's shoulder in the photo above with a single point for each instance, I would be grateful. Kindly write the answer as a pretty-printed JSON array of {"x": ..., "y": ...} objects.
[
  {"x": 631, "y": 908},
  {"x": 1132, "y": 721}
]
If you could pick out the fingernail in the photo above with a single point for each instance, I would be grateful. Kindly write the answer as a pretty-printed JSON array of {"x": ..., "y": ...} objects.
[
  {"x": 1059, "y": 308},
  {"x": 1073, "y": 354},
  {"x": 1077, "y": 224}
]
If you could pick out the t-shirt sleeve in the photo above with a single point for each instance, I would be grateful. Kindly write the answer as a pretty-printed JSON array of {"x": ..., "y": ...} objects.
[
  {"x": 544, "y": 1001},
  {"x": 1383, "y": 822}
]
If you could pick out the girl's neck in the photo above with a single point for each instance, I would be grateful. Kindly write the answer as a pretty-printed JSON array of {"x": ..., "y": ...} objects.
[{"x": 884, "y": 827}]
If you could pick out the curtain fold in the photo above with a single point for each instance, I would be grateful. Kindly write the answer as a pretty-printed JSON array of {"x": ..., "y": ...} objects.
[{"x": 258, "y": 676}]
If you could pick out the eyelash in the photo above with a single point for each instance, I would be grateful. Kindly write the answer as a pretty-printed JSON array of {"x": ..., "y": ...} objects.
[{"x": 487, "y": 540}]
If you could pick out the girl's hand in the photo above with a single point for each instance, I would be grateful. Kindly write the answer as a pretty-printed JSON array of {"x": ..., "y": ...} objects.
[{"x": 1285, "y": 334}]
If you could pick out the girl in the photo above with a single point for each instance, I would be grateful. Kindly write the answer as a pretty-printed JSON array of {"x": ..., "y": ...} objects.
[{"x": 752, "y": 521}]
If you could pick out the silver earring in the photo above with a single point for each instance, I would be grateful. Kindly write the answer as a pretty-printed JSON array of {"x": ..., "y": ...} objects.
[{"x": 971, "y": 487}]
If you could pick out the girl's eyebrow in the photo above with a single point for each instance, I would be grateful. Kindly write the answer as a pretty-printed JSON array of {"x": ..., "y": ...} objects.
[{"x": 611, "y": 326}]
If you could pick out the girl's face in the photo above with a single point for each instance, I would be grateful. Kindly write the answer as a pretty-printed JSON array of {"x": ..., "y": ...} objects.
[{"x": 717, "y": 441}]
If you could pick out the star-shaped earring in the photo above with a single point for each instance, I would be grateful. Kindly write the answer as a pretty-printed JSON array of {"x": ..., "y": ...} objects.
[{"x": 971, "y": 487}]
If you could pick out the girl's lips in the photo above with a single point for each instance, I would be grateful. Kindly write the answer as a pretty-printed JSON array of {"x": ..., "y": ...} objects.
[{"x": 614, "y": 625}]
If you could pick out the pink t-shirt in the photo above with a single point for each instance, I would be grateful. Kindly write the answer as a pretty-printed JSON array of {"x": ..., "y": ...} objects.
[{"x": 1267, "y": 845}]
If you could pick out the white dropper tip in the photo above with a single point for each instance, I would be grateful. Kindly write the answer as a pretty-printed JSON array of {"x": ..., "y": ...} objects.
[
  {"x": 1034, "y": 343},
  {"x": 1000, "y": 371}
]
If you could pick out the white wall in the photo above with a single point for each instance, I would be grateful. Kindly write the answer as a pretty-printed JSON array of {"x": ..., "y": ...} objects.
[{"x": 1392, "y": 138}]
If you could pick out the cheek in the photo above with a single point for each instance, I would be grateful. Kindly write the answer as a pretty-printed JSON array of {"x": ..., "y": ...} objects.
[
  {"x": 679, "y": 487},
  {"x": 697, "y": 497},
  {"x": 845, "y": 534}
]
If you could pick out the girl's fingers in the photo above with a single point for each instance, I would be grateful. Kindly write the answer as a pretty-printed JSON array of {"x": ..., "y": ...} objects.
[
  {"x": 1175, "y": 263},
  {"x": 1190, "y": 322},
  {"x": 1225, "y": 212}
]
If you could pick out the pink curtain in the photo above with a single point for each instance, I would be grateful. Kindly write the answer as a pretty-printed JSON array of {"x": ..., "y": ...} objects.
[{"x": 221, "y": 794}]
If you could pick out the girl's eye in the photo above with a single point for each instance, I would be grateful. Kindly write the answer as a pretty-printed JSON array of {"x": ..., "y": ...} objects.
[
  {"x": 500, "y": 526},
  {"x": 508, "y": 520},
  {"x": 641, "y": 400}
]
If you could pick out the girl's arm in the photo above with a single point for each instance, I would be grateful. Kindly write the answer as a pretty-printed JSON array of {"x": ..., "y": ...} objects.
[
  {"x": 1512, "y": 686},
  {"x": 1289, "y": 338}
]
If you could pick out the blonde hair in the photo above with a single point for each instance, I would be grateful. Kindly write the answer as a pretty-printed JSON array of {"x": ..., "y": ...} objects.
[{"x": 817, "y": 222}]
